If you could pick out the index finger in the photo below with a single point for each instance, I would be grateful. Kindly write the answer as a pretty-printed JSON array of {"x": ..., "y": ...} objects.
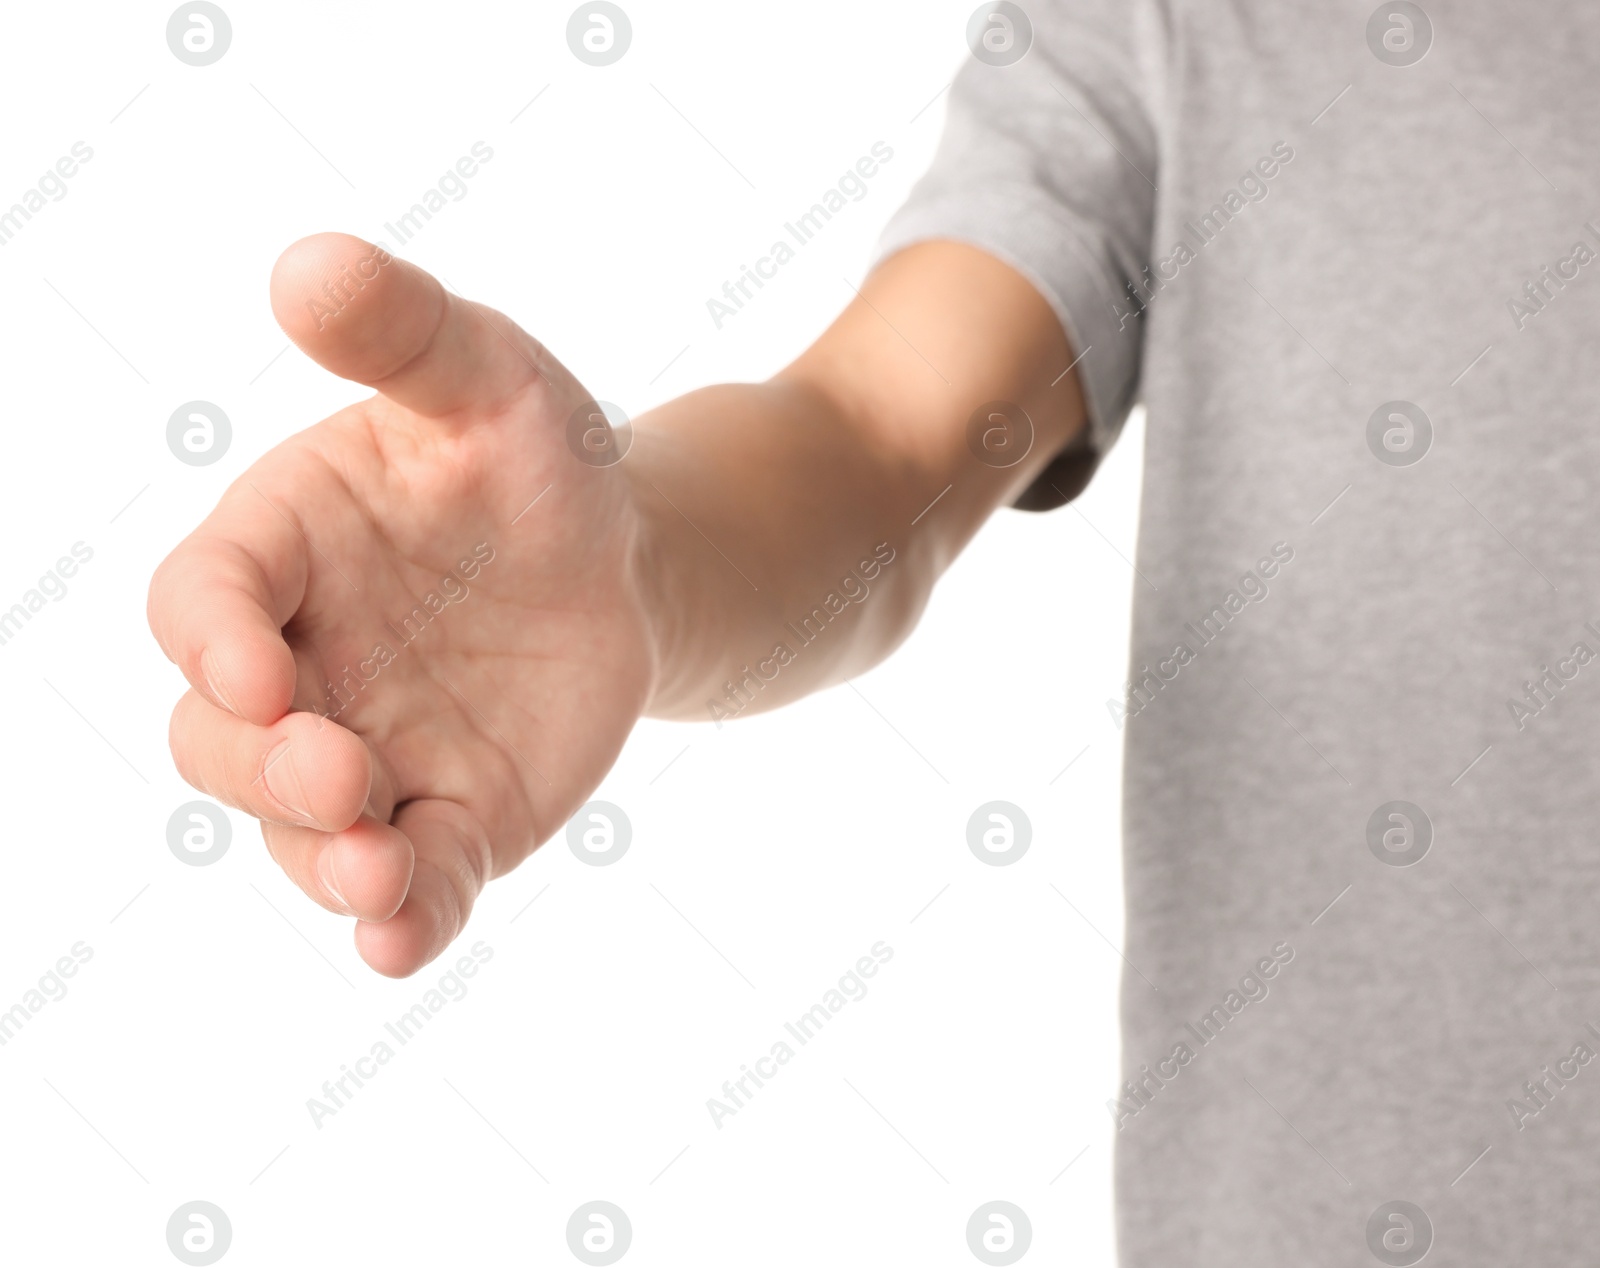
[{"x": 219, "y": 601}]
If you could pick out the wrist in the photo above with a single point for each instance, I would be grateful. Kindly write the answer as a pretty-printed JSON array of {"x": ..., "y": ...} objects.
[{"x": 674, "y": 607}]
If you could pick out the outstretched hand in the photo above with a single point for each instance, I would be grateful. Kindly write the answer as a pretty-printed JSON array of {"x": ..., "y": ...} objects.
[{"x": 414, "y": 634}]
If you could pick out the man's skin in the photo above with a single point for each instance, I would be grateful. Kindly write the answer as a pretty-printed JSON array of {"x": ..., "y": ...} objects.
[{"x": 634, "y": 589}]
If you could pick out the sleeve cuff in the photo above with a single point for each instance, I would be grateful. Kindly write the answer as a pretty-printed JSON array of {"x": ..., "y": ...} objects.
[{"x": 1032, "y": 234}]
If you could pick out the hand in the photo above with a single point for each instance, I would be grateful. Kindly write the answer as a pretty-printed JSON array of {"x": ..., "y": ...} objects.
[{"x": 437, "y": 575}]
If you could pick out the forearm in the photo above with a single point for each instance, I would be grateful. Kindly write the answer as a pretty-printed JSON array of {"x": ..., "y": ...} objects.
[
  {"x": 795, "y": 528},
  {"x": 779, "y": 550}
]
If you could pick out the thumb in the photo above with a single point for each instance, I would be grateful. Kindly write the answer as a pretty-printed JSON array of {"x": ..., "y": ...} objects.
[{"x": 366, "y": 315}]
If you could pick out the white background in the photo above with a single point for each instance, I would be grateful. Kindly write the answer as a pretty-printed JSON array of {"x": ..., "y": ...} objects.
[{"x": 218, "y": 999}]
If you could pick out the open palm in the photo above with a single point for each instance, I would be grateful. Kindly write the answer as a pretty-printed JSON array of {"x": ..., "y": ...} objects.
[{"x": 414, "y": 633}]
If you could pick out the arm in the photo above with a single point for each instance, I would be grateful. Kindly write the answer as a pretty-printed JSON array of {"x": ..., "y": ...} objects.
[
  {"x": 762, "y": 498},
  {"x": 417, "y": 634}
]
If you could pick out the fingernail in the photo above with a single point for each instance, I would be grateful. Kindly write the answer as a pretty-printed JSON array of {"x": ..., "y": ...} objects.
[
  {"x": 283, "y": 782},
  {"x": 325, "y": 874},
  {"x": 208, "y": 667}
]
